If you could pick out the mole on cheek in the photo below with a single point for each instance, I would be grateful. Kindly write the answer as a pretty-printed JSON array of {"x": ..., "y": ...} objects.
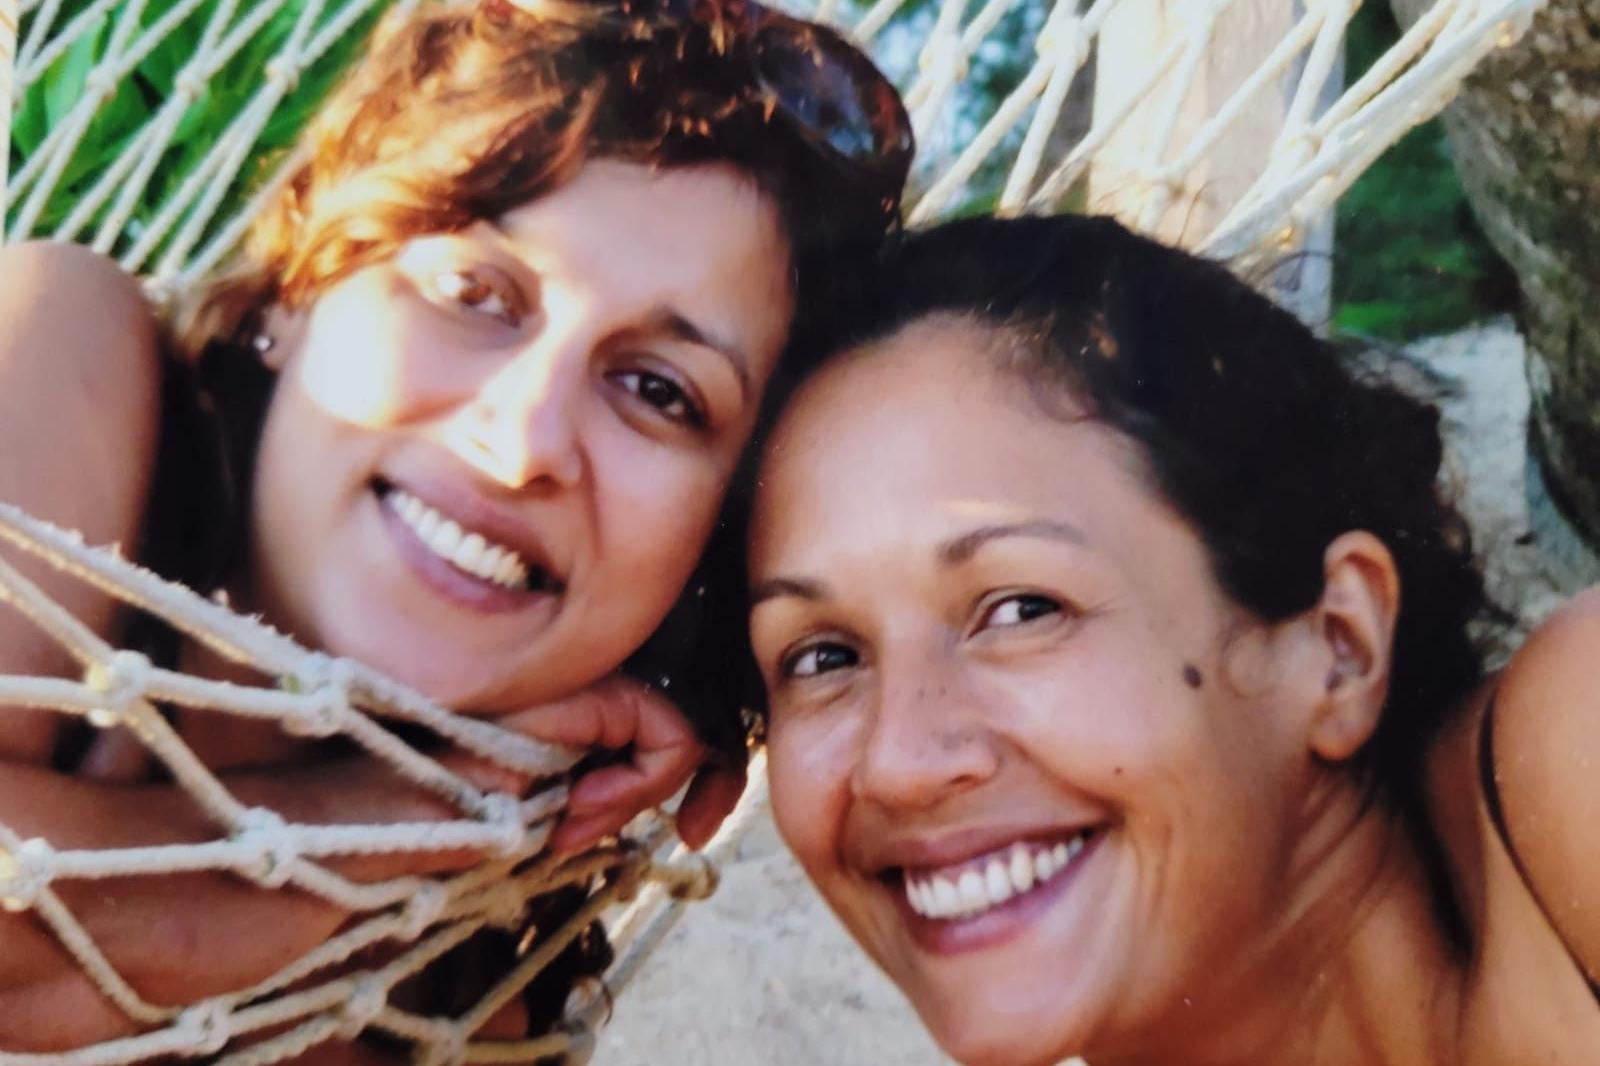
[{"x": 1191, "y": 675}]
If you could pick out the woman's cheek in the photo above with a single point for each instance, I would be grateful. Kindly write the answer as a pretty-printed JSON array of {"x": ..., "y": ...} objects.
[
  {"x": 810, "y": 762},
  {"x": 658, "y": 505},
  {"x": 358, "y": 367}
]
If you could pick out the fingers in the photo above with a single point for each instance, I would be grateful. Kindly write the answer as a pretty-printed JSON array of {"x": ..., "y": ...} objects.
[
  {"x": 615, "y": 714},
  {"x": 485, "y": 775},
  {"x": 609, "y": 714},
  {"x": 712, "y": 796}
]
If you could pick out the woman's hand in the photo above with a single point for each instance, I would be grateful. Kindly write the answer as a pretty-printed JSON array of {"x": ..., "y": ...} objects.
[{"x": 661, "y": 753}]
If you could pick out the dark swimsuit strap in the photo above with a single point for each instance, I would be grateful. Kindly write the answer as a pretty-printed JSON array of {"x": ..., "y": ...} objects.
[{"x": 1491, "y": 795}]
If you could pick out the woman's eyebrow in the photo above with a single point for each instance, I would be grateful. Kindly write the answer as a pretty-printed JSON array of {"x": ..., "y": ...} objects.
[
  {"x": 775, "y": 587},
  {"x": 673, "y": 324},
  {"x": 960, "y": 549}
]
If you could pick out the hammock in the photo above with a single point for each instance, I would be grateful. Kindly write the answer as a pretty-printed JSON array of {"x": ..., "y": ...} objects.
[{"x": 171, "y": 208}]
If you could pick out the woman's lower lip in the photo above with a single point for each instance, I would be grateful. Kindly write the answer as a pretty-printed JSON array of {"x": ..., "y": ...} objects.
[
  {"x": 447, "y": 581},
  {"x": 998, "y": 924}
]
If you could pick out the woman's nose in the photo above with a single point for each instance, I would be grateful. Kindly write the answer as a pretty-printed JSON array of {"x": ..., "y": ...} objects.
[
  {"x": 926, "y": 740},
  {"x": 521, "y": 427}
]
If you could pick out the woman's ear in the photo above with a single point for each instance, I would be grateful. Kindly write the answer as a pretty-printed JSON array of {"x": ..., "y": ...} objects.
[
  {"x": 1354, "y": 625},
  {"x": 277, "y": 334}
]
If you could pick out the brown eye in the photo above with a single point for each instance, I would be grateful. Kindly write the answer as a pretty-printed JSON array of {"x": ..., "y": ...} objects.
[
  {"x": 663, "y": 394},
  {"x": 820, "y": 658},
  {"x": 1018, "y": 610},
  {"x": 480, "y": 294}
]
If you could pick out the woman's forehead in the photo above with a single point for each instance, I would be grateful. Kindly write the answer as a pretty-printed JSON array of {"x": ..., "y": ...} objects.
[{"x": 703, "y": 242}]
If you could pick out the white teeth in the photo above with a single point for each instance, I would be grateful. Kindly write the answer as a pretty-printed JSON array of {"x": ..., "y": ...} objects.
[
  {"x": 428, "y": 524},
  {"x": 471, "y": 552},
  {"x": 1021, "y": 868},
  {"x": 997, "y": 879},
  {"x": 446, "y": 540},
  {"x": 974, "y": 895},
  {"x": 977, "y": 889},
  {"x": 470, "y": 555},
  {"x": 945, "y": 899}
]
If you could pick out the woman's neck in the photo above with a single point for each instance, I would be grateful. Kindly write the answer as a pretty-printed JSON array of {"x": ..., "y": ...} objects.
[{"x": 1359, "y": 972}]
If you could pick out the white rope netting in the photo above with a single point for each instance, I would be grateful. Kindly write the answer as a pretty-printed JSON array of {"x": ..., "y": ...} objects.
[
  {"x": 1146, "y": 138},
  {"x": 1318, "y": 150},
  {"x": 312, "y": 695}
]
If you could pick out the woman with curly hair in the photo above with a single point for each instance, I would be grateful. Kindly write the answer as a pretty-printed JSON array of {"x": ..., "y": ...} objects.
[{"x": 464, "y": 409}]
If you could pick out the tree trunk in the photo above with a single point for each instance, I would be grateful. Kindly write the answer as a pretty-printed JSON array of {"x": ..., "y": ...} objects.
[{"x": 1526, "y": 137}]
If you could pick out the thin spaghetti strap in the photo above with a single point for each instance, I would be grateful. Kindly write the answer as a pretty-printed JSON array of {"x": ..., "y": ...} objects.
[
  {"x": 1491, "y": 787},
  {"x": 1491, "y": 797}
]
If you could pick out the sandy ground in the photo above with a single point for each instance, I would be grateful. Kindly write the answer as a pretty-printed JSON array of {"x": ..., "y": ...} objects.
[{"x": 762, "y": 974}]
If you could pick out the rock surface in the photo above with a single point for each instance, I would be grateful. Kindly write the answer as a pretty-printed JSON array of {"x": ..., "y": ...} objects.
[{"x": 1523, "y": 135}]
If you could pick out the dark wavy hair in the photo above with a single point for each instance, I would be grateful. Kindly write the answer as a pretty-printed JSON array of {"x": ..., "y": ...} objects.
[{"x": 1265, "y": 438}]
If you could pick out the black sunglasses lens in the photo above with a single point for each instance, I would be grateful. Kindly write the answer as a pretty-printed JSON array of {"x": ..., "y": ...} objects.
[{"x": 836, "y": 94}]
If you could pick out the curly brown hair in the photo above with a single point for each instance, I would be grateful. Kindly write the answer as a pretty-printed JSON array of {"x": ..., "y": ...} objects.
[
  {"x": 459, "y": 113},
  {"x": 462, "y": 112}
]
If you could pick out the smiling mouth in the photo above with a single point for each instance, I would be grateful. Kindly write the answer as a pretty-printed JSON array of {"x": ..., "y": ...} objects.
[
  {"x": 968, "y": 889},
  {"x": 467, "y": 551}
]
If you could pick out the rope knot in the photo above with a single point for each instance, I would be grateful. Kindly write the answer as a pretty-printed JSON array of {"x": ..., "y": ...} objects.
[
  {"x": 324, "y": 684},
  {"x": 123, "y": 680},
  {"x": 283, "y": 73},
  {"x": 1300, "y": 147},
  {"x": 190, "y": 84},
  {"x": 424, "y": 908},
  {"x": 700, "y": 879},
  {"x": 504, "y": 812},
  {"x": 447, "y": 1049},
  {"x": 368, "y": 997},
  {"x": 276, "y": 851},
  {"x": 99, "y": 85},
  {"x": 205, "y": 1026},
  {"x": 24, "y": 873}
]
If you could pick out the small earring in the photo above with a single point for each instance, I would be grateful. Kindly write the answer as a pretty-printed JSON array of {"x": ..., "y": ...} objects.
[{"x": 263, "y": 343}]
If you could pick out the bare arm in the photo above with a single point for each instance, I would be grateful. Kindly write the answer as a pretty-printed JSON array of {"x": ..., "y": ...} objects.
[
  {"x": 1547, "y": 764},
  {"x": 79, "y": 417},
  {"x": 177, "y": 937}
]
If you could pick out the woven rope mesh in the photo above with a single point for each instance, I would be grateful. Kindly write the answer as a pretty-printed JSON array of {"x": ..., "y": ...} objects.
[{"x": 1104, "y": 111}]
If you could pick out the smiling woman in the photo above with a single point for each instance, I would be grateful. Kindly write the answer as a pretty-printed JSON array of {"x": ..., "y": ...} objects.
[
  {"x": 1124, "y": 704},
  {"x": 464, "y": 409},
  {"x": 550, "y": 409}
]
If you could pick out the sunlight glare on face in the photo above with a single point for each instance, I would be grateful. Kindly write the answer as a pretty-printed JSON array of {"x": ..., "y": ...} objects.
[{"x": 493, "y": 460}]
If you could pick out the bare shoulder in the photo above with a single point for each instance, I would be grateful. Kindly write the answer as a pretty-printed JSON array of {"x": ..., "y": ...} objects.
[
  {"x": 80, "y": 389},
  {"x": 1547, "y": 768},
  {"x": 81, "y": 309}
]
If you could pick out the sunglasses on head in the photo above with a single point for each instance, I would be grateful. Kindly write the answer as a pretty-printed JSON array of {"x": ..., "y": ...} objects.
[{"x": 811, "y": 78}]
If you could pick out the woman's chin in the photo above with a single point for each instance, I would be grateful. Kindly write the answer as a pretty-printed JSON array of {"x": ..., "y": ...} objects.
[
  {"x": 1000, "y": 1038},
  {"x": 471, "y": 680}
]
